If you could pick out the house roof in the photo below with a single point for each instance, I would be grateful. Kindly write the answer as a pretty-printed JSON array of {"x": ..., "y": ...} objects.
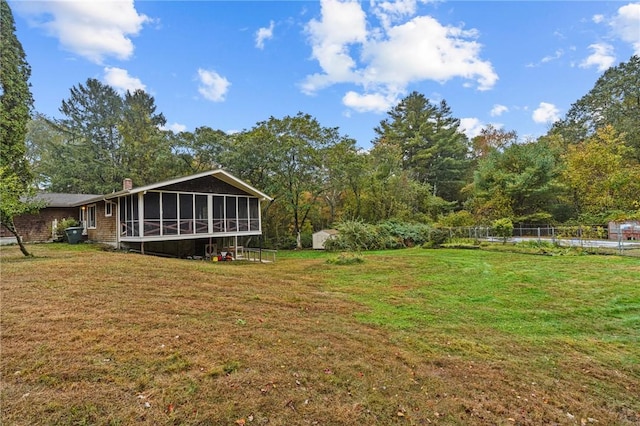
[
  {"x": 63, "y": 200},
  {"x": 218, "y": 173}
]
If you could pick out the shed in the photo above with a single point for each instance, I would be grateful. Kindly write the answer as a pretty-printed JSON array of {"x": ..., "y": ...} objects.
[{"x": 320, "y": 237}]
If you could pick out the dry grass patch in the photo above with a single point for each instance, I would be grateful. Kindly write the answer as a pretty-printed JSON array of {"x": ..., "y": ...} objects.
[{"x": 90, "y": 337}]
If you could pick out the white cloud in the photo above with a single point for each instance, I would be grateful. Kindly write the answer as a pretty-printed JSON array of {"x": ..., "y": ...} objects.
[
  {"x": 626, "y": 25},
  {"x": 264, "y": 34},
  {"x": 602, "y": 57},
  {"x": 498, "y": 110},
  {"x": 375, "y": 102},
  {"x": 120, "y": 80},
  {"x": 597, "y": 18},
  {"x": 470, "y": 127},
  {"x": 388, "y": 12},
  {"x": 212, "y": 86},
  {"x": 391, "y": 56},
  {"x": 546, "y": 113},
  {"x": 175, "y": 127},
  {"x": 92, "y": 29}
]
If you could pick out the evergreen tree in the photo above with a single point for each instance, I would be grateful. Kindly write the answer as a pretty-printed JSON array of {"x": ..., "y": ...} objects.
[
  {"x": 433, "y": 150},
  {"x": 16, "y": 104}
]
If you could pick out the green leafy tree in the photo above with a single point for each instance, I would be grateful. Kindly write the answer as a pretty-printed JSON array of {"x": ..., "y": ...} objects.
[
  {"x": 16, "y": 104},
  {"x": 203, "y": 149},
  {"x": 503, "y": 228},
  {"x": 614, "y": 100}
]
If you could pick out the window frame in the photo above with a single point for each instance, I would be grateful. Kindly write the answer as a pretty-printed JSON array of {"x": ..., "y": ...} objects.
[{"x": 92, "y": 221}]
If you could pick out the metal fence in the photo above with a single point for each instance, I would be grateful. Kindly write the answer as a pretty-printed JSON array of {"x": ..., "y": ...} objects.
[{"x": 592, "y": 238}]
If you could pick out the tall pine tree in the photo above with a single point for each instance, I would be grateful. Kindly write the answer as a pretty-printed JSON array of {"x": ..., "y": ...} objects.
[{"x": 16, "y": 104}]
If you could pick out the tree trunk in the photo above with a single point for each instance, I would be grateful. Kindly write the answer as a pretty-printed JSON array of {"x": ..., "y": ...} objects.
[{"x": 11, "y": 228}]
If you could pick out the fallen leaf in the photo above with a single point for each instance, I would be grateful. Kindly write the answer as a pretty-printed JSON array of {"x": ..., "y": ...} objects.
[
  {"x": 170, "y": 409},
  {"x": 241, "y": 422}
]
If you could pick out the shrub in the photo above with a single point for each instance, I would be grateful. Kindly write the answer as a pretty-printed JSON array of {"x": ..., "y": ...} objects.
[
  {"x": 437, "y": 237},
  {"x": 457, "y": 219},
  {"x": 503, "y": 228},
  {"x": 64, "y": 224},
  {"x": 354, "y": 236},
  {"x": 346, "y": 258}
]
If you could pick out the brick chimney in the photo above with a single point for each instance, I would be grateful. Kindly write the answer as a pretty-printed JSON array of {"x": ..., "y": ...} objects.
[{"x": 127, "y": 184}]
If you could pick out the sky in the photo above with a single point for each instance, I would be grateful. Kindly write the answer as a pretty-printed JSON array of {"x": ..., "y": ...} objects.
[{"x": 228, "y": 65}]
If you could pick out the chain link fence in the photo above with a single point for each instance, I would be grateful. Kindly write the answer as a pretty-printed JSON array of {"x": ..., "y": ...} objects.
[{"x": 593, "y": 238}]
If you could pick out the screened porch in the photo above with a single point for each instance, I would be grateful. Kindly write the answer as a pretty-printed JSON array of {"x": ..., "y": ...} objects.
[{"x": 172, "y": 215}]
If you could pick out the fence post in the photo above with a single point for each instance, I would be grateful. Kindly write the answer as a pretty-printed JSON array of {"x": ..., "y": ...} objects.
[{"x": 538, "y": 235}]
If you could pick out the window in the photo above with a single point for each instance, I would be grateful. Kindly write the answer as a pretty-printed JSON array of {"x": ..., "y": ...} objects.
[
  {"x": 91, "y": 216},
  {"x": 202, "y": 215},
  {"x": 108, "y": 208},
  {"x": 129, "y": 216},
  {"x": 243, "y": 214},
  {"x": 218, "y": 213},
  {"x": 169, "y": 213},
  {"x": 231, "y": 211},
  {"x": 186, "y": 214},
  {"x": 152, "y": 213},
  {"x": 254, "y": 214}
]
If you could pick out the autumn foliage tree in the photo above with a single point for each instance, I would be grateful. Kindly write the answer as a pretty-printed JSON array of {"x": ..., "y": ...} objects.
[{"x": 602, "y": 174}]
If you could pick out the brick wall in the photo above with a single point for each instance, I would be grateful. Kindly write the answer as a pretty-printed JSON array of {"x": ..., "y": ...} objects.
[{"x": 37, "y": 227}]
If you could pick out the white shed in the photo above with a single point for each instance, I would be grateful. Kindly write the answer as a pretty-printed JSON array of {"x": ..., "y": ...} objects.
[{"x": 320, "y": 237}]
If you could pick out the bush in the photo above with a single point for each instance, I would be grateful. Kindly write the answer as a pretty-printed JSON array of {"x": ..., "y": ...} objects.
[
  {"x": 503, "y": 228},
  {"x": 346, "y": 258},
  {"x": 457, "y": 219},
  {"x": 358, "y": 236},
  {"x": 437, "y": 237},
  {"x": 354, "y": 236},
  {"x": 64, "y": 224}
]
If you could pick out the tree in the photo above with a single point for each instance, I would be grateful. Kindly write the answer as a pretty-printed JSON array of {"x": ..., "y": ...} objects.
[
  {"x": 491, "y": 139},
  {"x": 202, "y": 149},
  {"x": 601, "y": 174},
  {"x": 286, "y": 159},
  {"x": 145, "y": 150},
  {"x": 17, "y": 102},
  {"x": 614, "y": 100},
  {"x": 517, "y": 182},
  {"x": 91, "y": 154},
  {"x": 433, "y": 149}
]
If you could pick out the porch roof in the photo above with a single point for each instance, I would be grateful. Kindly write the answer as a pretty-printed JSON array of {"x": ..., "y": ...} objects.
[{"x": 218, "y": 173}]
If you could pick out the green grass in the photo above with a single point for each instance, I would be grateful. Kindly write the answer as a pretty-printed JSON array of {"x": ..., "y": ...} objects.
[{"x": 404, "y": 337}]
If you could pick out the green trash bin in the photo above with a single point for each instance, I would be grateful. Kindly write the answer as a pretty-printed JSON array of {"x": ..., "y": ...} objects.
[{"x": 74, "y": 234}]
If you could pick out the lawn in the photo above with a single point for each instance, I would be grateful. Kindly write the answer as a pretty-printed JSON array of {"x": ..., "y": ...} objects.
[{"x": 407, "y": 337}]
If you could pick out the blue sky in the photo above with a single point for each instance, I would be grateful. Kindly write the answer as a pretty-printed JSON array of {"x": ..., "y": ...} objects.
[{"x": 517, "y": 65}]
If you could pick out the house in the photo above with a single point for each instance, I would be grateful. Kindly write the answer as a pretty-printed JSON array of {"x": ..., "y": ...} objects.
[
  {"x": 41, "y": 227},
  {"x": 198, "y": 215},
  {"x": 320, "y": 237}
]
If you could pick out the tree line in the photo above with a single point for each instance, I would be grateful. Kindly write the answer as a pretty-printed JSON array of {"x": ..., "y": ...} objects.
[{"x": 421, "y": 168}]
